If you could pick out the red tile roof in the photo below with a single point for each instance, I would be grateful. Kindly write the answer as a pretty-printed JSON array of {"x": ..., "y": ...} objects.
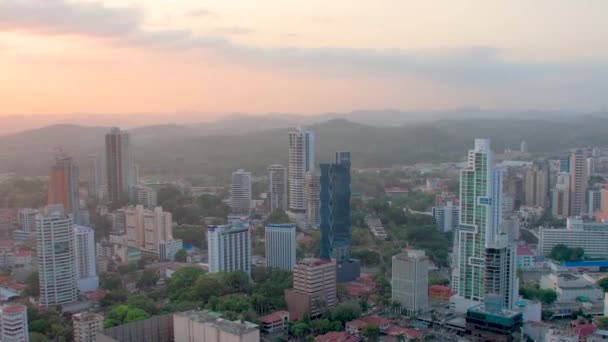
[
  {"x": 524, "y": 251},
  {"x": 273, "y": 317},
  {"x": 336, "y": 336},
  {"x": 396, "y": 331},
  {"x": 357, "y": 324},
  {"x": 376, "y": 320}
]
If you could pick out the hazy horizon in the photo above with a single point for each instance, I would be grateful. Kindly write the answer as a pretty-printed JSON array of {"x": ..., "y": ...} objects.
[{"x": 305, "y": 57}]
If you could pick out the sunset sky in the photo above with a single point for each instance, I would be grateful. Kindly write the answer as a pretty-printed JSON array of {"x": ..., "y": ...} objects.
[{"x": 257, "y": 56}]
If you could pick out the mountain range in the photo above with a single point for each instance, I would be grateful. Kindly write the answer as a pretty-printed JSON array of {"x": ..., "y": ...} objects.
[{"x": 191, "y": 149}]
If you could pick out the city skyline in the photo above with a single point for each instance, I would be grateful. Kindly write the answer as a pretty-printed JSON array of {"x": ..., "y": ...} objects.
[{"x": 232, "y": 56}]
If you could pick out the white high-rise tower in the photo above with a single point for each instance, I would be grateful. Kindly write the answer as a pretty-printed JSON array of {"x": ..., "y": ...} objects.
[
  {"x": 301, "y": 161},
  {"x": 240, "y": 192},
  {"x": 484, "y": 262},
  {"x": 277, "y": 187}
]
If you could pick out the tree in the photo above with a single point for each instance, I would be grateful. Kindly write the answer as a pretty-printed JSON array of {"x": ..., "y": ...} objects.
[
  {"x": 191, "y": 235},
  {"x": 601, "y": 322},
  {"x": 322, "y": 326},
  {"x": 38, "y": 337},
  {"x": 372, "y": 332},
  {"x": 142, "y": 302},
  {"x": 179, "y": 286},
  {"x": 364, "y": 305},
  {"x": 300, "y": 328},
  {"x": 123, "y": 314},
  {"x": 110, "y": 281},
  {"x": 207, "y": 286},
  {"x": 547, "y": 296},
  {"x": 32, "y": 286},
  {"x": 113, "y": 298},
  {"x": 562, "y": 252},
  {"x": 345, "y": 312},
  {"x": 181, "y": 255},
  {"x": 147, "y": 279},
  {"x": 603, "y": 283},
  {"x": 277, "y": 216}
]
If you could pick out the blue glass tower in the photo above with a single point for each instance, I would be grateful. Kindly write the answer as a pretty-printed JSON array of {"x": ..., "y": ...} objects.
[{"x": 335, "y": 208}]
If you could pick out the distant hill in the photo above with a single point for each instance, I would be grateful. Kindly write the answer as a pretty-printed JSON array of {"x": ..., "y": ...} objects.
[{"x": 180, "y": 149}]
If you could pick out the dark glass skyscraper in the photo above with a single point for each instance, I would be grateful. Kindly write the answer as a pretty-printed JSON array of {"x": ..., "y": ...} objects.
[{"x": 335, "y": 208}]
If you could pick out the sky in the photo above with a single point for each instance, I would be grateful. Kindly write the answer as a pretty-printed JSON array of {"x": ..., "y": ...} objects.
[{"x": 296, "y": 56}]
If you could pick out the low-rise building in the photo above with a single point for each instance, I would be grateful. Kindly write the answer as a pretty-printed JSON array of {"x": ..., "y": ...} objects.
[
  {"x": 571, "y": 287},
  {"x": 591, "y": 237},
  {"x": 205, "y": 326},
  {"x": 86, "y": 326},
  {"x": 490, "y": 322},
  {"x": 275, "y": 322}
]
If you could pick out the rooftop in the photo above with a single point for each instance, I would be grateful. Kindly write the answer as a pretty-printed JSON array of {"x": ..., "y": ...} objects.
[
  {"x": 524, "y": 251},
  {"x": 234, "y": 327}
]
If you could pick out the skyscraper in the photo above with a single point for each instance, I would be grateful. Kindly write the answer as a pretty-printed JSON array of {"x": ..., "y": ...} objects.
[
  {"x": 479, "y": 245},
  {"x": 229, "y": 248},
  {"x": 119, "y": 165},
  {"x": 56, "y": 258},
  {"x": 277, "y": 187},
  {"x": 560, "y": 196},
  {"x": 13, "y": 323},
  {"x": 537, "y": 186},
  {"x": 314, "y": 288},
  {"x": 280, "y": 246},
  {"x": 335, "y": 208},
  {"x": 240, "y": 192},
  {"x": 410, "y": 280},
  {"x": 578, "y": 183},
  {"x": 301, "y": 161},
  {"x": 27, "y": 219},
  {"x": 64, "y": 186},
  {"x": 86, "y": 273},
  {"x": 312, "y": 189}
]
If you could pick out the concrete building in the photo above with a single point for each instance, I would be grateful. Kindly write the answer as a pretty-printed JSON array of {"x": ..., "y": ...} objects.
[
  {"x": 593, "y": 202},
  {"x": 27, "y": 220},
  {"x": 96, "y": 175},
  {"x": 314, "y": 288},
  {"x": 410, "y": 283},
  {"x": 13, "y": 323},
  {"x": 523, "y": 147},
  {"x": 490, "y": 322},
  {"x": 146, "y": 229},
  {"x": 280, "y": 246},
  {"x": 579, "y": 180},
  {"x": 484, "y": 263},
  {"x": 301, "y": 161},
  {"x": 591, "y": 237},
  {"x": 275, "y": 322},
  {"x": 119, "y": 165},
  {"x": 64, "y": 185},
  {"x": 240, "y": 193},
  {"x": 86, "y": 326},
  {"x": 277, "y": 187},
  {"x": 154, "y": 329},
  {"x": 86, "y": 273},
  {"x": 144, "y": 195},
  {"x": 446, "y": 217},
  {"x": 56, "y": 257},
  {"x": 229, "y": 248},
  {"x": 203, "y": 326},
  {"x": 312, "y": 189},
  {"x": 168, "y": 248},
  {"x": 537, "y": 186},
  {"x": 570, "y": 287},
  {"x": 560, "y": 197}
]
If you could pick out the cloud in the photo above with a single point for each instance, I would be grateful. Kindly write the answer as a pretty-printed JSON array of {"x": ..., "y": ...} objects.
[
  {"x": 200, "y": 13},
  {"x": 481, "y": 66},
  {"x": 233, "y": 30}
]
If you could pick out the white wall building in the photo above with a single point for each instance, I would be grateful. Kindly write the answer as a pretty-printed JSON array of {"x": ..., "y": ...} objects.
[
  {"x": 168, "y": 249},
  {"x": 201, "y": 326},
  {"x": 570, "y": 286},
  {"x": 277, "y": 187},
  {"x": 240, "y": 192},
  {"x": 86, "y": 273},
  {"x": 86, "y": 326},
  {"x": 144, "y": 195},
  {"x": 147, "y": 228},
  {"x": 301, "y": 161},
  {"x": 410, "y": 281},
  {"x": 13, "y": 323},
  {"x": 27, "y": 219},
  {"x": 56, "y": 250},
  {"x": 229, "y": 248},
  {"x": 446, "y": 217},
  {"x": 591, "y": 237},
  {"x": 280, "y": 246}
]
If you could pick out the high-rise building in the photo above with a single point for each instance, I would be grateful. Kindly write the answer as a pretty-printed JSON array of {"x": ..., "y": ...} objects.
[
  {"x": 446, "y": 217},
  {"x": 593, "y": 202},
  {"x": 314, "y": 288},
  {"x": 301, "y": 161},
  {"x": 119, "y": 165},
  {"x": 312, "y": 189},
  {"x": 479, "y": 233},
  {"x": 96, "y": 175},
  {"x": 523, "y": 147},
  {"x": 27, "y": 219},
  {"x": 335, "y": 208},
  {"x": 277, "y": 187},
  {"x": 86, "y": 273},
  {"x": 202, "y": 326},
  {"x": 578, "y": 183},
  {"x": 229, "y": 248},
  {"x": 144, "y": 195},
  {"x": 56, "y": 257},
  {"x": 13, "y": 323},
  {"x": 410, "y": 282},
  {"x": 604, "y": 201},
  {"x": 280, "y": 246},
  {"x": 86, "y": 326},
  {"x": 64, "y": 186},
  {"x": 168, "y": 249},
  {"x": 537, "y": 186},
  {"x": 240, "y": 192},
  {"x": 146, "y": 228},
  {"x": 560, "y": 196}
]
